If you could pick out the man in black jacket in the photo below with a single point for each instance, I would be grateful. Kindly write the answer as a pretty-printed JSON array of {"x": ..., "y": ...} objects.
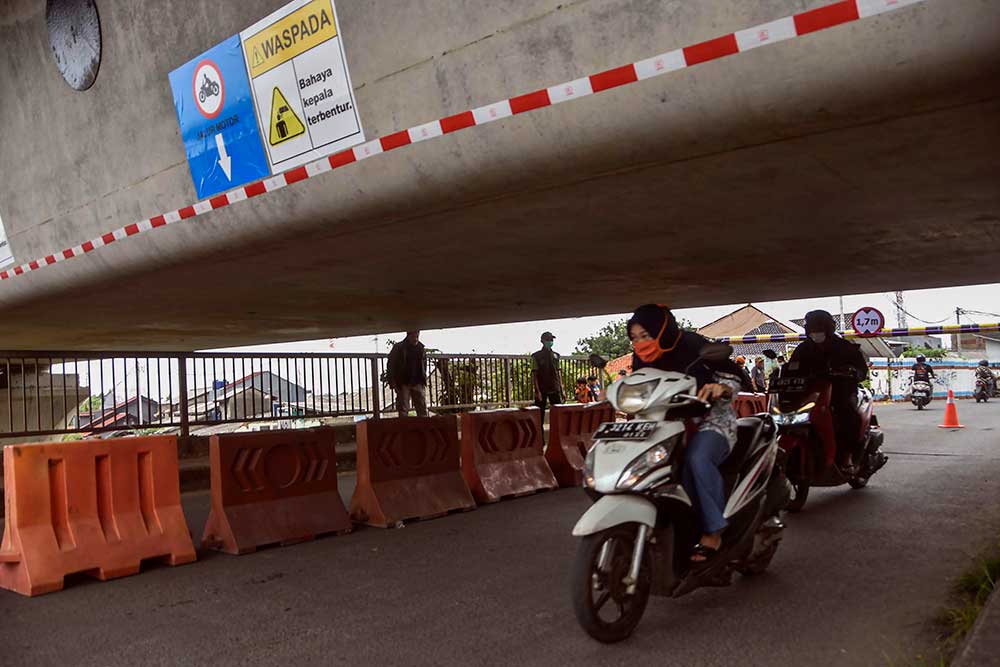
[
  {"x": 546, "y": 375},
  {"x": 922, "y": 371},
  {"x": 825, "y": 351},
  {"x": 407, "y": 374}
]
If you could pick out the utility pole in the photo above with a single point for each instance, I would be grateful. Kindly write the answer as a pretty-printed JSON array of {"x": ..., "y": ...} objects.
[
  {"x": 958, "y": 336},
  {"x": 900, "y": 313},
  {"x": 843, "y": 325}
]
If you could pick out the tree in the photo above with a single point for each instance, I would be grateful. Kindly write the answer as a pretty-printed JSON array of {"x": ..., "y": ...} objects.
[{"x": 612, "y": 340}]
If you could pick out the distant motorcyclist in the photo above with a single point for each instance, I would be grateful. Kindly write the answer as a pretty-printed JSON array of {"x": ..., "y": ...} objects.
[
  {"x": 983, "y": 372},
  {"x": 824, "y": 350},
  {"x": 922, "y": 371}
]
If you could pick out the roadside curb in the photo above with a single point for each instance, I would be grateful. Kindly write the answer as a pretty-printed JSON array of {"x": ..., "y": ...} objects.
[{"x": 982, "y": 646}]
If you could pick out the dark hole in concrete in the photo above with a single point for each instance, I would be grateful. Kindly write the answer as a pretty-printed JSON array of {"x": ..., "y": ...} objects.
[{"x": 75, "y": 37}]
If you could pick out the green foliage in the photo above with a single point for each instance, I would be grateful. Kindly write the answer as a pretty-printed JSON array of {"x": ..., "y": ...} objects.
[
  {"x": 930, "y": 353},
  {"x": 973, "y": 588},
  {"x": 610, "y": 342},
  {"x": 92, "y": 404},
  {"x": 460, "y": 383}
]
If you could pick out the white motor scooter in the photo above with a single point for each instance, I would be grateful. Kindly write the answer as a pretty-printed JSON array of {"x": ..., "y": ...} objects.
[{"x": 638, "y": 536}]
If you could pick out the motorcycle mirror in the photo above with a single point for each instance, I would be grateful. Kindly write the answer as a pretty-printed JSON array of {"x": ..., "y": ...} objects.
[
  {"x": 770, "y": 354},
  {"x": 597, "y": 361}
]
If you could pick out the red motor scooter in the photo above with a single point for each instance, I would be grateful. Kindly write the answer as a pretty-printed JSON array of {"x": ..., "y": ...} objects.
[{"x": 800, "y": 406}]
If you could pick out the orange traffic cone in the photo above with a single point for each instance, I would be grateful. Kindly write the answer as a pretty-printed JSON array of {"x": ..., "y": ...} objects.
[{"x": 950, "y": 413}]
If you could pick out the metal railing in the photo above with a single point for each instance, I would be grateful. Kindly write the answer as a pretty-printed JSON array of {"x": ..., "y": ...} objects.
[{"x": 61, "y": 393}]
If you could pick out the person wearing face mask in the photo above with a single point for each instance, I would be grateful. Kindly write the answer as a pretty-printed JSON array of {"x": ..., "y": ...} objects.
[
  {"x": 824, "y": 350},
  {"x": 658, "y": 342},
  {"x": 546, "y": 374}
]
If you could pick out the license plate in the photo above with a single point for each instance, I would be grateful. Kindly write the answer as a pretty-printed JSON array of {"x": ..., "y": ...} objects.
[
  {"x": 625, "y": 431},
  {"x": 790, "y": 384}
]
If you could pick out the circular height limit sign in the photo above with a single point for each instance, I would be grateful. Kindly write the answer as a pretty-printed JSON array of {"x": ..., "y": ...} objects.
[
  {"x": 868, "y": 322},
  {"x": 209, "y": 89}
]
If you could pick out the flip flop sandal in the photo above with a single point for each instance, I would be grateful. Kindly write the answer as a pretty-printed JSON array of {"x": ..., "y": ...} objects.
[{"x": 706, "y": 553}]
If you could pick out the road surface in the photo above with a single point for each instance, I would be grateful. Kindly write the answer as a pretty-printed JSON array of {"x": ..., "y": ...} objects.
[{"x": 858, "y": 577}]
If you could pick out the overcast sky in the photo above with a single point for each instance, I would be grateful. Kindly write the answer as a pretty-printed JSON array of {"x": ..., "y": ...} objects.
[{"x": 934, "y": 306}]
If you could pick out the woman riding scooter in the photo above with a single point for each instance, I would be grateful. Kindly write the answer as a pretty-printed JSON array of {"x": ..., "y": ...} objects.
[{"x": 658, "y": 342}]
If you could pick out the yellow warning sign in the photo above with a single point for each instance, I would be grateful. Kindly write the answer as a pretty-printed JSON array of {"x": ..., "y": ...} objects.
[
  {"x": 290, "y": 36},
  {"x": 258, "y": 58},
  {"x": 285, "y": 124}
]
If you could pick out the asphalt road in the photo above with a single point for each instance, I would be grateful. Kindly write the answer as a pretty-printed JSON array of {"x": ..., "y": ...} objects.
[{"x": 857, "y": 578}]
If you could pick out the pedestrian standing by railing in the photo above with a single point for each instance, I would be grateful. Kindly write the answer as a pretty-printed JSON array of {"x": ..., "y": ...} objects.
[
  {"x": 546, "y": 374},
  {"x": 407, "y": 374}
]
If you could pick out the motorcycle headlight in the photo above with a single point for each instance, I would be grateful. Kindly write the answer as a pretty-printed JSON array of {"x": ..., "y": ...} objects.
[
  {"x": 646, "y": 462},
  {"x": 797, "y": 418},
  {"x": 632, "y": 398}
]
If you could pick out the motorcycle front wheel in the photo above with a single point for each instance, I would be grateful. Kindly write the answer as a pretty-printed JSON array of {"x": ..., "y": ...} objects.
[
  {"x": 601, "y": 602},
  {"x": 796, "y": 504}
]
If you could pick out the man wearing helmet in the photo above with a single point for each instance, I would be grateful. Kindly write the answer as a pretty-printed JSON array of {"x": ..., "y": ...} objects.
[
  {"x": 983, "y": 372},
  {"x": 824, "y": 350},
  {"x": 922, "y": 371}
]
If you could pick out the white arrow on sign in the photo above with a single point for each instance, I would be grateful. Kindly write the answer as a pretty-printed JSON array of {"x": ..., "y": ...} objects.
[{"x": 225, "y": 161}]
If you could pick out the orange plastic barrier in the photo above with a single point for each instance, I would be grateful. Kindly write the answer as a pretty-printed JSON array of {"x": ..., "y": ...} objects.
[
  {"x": 571, "y": 430},
  {"x": 502, "y": 454},
  {"x": 408, "y": 468},
  {"x": 273, "y": 487},
  {"x": 99, "y": 507},
  {"x": 748, "y": 405}
]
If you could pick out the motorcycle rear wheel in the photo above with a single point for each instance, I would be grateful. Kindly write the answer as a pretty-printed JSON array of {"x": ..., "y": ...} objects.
[{"x": 596, "y": 590}]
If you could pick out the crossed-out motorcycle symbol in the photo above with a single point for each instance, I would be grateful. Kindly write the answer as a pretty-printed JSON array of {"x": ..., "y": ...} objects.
[{"x": 208, "y": 89}]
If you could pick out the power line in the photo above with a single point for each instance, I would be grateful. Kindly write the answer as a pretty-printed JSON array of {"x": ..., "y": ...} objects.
[
  {"x": 918, "y": 319},
  {"x": 978, "y": 312}
]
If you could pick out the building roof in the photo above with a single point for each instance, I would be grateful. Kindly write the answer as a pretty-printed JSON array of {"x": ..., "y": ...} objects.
[
  {"x": 615, "y": 365},
  {"x": 842, "y": 323},
  {"x": 757, "y": 349},
  {"x": 742, "y": 322}
]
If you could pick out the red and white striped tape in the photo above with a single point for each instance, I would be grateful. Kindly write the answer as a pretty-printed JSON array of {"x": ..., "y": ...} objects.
[{"x": 783, "y": 29}]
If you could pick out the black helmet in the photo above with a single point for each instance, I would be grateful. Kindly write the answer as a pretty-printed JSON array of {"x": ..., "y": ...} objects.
[
  {"x": 984, "y": 362},
  {"x": 921, "y": 358},
  {"x": 820, "y": 320}
]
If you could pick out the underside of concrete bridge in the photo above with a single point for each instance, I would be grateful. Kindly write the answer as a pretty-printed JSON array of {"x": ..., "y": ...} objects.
[{"x": 860, "y": 158}]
